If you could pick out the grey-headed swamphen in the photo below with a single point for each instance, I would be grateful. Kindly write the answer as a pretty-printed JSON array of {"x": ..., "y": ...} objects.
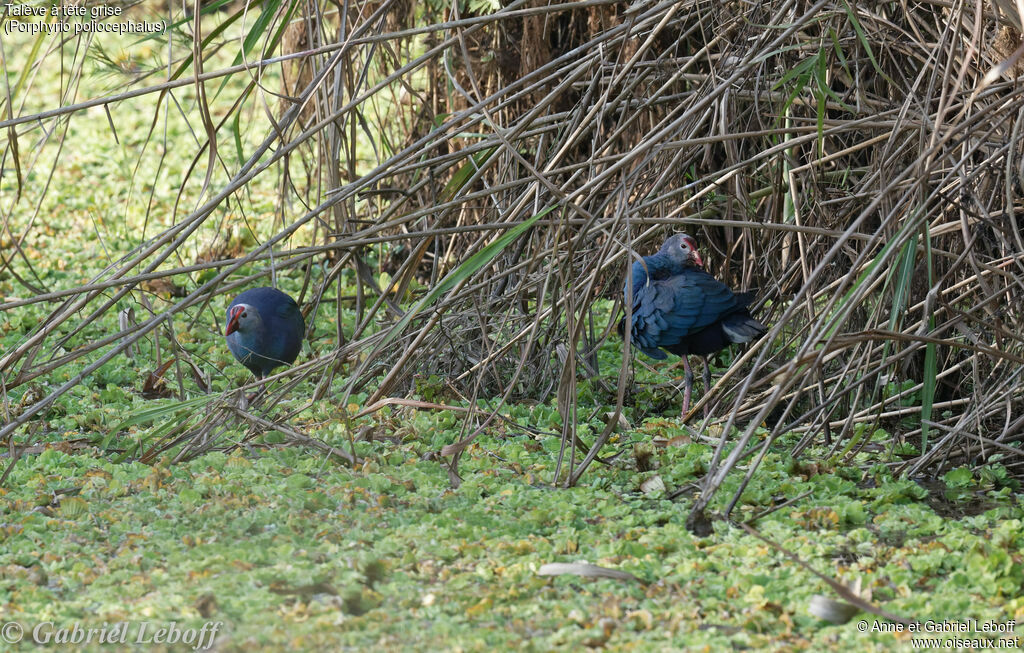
[
  {"x": 265, "y": 329},
  {"x": 680, "y": 308}
]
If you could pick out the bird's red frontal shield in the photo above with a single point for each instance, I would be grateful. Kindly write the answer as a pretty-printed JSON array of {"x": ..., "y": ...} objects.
[
  {"x": 233, "y": 321},
  {"x": 694, "y": 254}
]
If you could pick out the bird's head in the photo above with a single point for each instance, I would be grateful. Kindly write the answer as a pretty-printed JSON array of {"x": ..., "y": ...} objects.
[
  {"x": 241, "y": 317},
  {"x": 682, "y": 249}
]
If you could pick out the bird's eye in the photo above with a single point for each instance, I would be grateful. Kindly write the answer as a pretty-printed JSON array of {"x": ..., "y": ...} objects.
[{"x": 243, "y": 314}]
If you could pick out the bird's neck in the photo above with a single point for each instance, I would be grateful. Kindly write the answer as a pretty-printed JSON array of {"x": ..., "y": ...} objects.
[{"x": 662, "y": 267}]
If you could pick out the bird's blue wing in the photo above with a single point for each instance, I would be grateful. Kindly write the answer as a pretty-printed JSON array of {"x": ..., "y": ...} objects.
[
  {"x": 666, "y": 311},
  {"x": 645, "y": 326},
  {"x": 288, "y": 310},
  {"x": 289, "y": 327}
]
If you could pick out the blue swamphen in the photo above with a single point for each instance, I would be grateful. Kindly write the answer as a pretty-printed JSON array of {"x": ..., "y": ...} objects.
[
  {"x": 265, "y": 329},
  {"x": 680, "y": 308}
]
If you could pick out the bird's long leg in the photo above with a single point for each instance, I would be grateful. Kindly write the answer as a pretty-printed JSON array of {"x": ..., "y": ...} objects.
[
  {"x": 263, "y": 387},
  {"x": 707, "y": 382},
  {"x": 688, "y": 390}
]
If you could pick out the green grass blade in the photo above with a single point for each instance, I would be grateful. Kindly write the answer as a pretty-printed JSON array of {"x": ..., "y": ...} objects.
[
  {"x": 463, "y": 272},
  {"x": 153, "y": 435},
  {"x": 155, "y": 413},
  {"x": 802, "y": 69},
  {"x": 862, "y": 37},
  {"x": 205, "y": 10},
  {"x": 868, "y": 273},
  {"x": 902, "y": 275},
  {"x": 257, "y": 30},
  {"x": 465, "y": 173}
]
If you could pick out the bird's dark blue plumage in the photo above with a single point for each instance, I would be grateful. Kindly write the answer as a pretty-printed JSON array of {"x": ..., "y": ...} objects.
[
  {"x": 265, "y": 329},
  {"x": 680, "y": 308}
]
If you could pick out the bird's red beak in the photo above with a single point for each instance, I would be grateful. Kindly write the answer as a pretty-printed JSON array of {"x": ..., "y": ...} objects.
[
  {"x": 233, "y": 321},
  {"x": 694, "y": 254}
]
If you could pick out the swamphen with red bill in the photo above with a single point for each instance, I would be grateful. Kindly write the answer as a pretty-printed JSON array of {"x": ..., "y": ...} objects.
[
  {"x": 265, "y": 329},
  {"x": 680, "y": 308}
]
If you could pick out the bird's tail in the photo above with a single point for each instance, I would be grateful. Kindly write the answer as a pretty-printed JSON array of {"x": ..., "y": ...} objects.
[
  {"x": 746, "y": 298},
  {"x": 741, "y": 327}
]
